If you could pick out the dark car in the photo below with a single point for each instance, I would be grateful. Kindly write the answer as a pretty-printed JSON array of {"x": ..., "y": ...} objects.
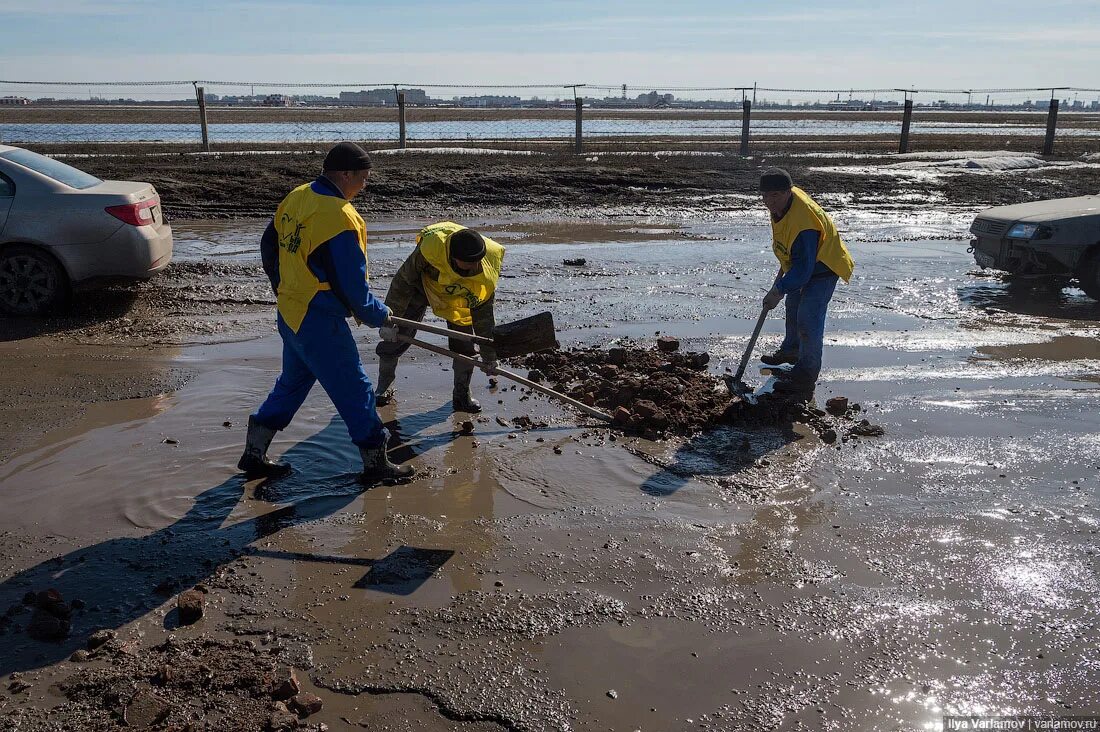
[{"x": 1060, "y": 237}]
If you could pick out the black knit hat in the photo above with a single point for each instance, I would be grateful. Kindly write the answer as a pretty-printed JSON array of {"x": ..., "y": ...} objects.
[
  {"x": 467, "y": 245},
  {"x": 346, "y": 156},
  {"x": 775, "y": 179}
]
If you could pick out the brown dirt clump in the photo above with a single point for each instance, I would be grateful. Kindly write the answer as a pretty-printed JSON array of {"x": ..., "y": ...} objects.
[
  {"x": 656, "y": 392},
  {"x": 648, "y": 392}
]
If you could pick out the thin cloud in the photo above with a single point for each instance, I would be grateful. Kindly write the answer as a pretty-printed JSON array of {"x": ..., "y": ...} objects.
[{"x": 88, "y": 8}]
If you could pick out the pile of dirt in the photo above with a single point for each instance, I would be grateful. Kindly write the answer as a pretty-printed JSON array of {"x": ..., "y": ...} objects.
[
  {"x": 180, "y": 685},
  {"x": 662, "y": 392},
  {"x": 649, "y": 392}
]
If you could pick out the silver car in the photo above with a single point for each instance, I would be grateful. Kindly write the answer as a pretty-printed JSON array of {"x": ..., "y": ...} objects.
[
  {"x": 62, "y": 229},
  {"x": 1058, "y": 238}
]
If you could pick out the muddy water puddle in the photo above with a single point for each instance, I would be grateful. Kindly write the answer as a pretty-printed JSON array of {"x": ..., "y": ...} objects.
[{"x": 948, "y": 566}]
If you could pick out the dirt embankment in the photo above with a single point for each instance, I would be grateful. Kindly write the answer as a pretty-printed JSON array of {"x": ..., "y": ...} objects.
[{"x": 429, "y": 184}]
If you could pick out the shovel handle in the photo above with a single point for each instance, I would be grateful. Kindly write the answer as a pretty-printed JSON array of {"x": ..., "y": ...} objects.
[
  {"x": 457, "y": 334},
  {"x": 755, "y": 334},
  {"x": 752, "y": 344},
  {"x": 591, "y": 411}
]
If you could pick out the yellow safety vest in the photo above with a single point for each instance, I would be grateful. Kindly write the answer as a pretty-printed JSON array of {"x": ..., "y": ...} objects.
[
  {"x": 804, "y": 214},
  {"x": 304, "y": 221},
  {"x": 452, "y": 296}
]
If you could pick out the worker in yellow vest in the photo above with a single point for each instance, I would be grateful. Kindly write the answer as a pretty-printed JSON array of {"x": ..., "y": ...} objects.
[
  {"x": 314, "y": 251},
  {"x": 454, "y": 270},
  {"x": 812, "y": 258}
]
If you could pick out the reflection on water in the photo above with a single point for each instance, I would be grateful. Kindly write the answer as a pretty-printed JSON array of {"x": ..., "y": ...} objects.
[{"x": 1039, "y": 299}]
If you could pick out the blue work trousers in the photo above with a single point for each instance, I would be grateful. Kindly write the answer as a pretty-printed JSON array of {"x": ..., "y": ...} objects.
[
  {"x": 323, "y": 350},
  {"x": 806, "y": 309}
]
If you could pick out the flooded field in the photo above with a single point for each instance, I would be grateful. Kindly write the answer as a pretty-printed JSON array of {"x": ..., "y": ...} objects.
[
  {"x": 507, "y": 129},
  {"x": 566, "y": 577}
]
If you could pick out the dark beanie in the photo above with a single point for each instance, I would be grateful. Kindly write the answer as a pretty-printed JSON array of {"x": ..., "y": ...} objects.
[
  {"x": 347, "y": 156},
  {"x": 775, "y": 179},
  {"x": 467, "y": 245}
]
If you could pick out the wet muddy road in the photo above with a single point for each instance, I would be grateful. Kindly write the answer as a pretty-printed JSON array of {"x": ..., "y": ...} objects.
[{"x": 557, "y": 578}]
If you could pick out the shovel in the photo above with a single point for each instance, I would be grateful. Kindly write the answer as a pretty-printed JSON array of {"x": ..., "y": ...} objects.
[
  {"x": 592, "y": 411},
  {"x": 529, "y": 335},
  {"x": 736, "y": 384},
  {"x": 519, "y": 338}
]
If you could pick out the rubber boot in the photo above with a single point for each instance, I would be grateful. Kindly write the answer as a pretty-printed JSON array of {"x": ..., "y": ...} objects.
[
  {"x": 387, "y": 374},
  {"x": 461, "y": 398},
  {"x": 377, "y": 466},
  {"x": 779, "y": 357},
  {"x": 794, "y": 388},
  {"x": 254, "y": 462}
]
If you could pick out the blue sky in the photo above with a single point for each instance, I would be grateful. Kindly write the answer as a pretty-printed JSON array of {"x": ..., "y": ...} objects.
[{"x": 687, "y": 43}]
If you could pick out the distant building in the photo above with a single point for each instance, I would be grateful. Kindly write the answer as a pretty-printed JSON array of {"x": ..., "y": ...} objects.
[
  {"x": 653, "y": 99},
  {"x": 488, "y": 100},
  {"x": 383, "y": 97},
  {"x": 14, "y": 101},
  {"x": 276, "y": 100}
]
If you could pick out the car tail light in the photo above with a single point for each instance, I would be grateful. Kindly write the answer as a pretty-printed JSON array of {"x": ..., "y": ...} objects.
[{"x": 135, "y": 214}]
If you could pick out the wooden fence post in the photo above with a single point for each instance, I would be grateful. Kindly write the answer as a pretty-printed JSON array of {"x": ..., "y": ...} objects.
[
  {"x": 578, "y": 144},
  {"x": 200, "y": 97},
  {"x": 401, "y": 141},
  {"x": 1052, "y": 123},
  {"x": 905, "y": 120},
  {"x": 745, "y": 115}
]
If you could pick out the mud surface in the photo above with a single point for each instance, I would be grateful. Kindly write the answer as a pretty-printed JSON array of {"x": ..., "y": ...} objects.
[
  {"x": 233, "y": 186},
  {"x": 543, "y": 571}
]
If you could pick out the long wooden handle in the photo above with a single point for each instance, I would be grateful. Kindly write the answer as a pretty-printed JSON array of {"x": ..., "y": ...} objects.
[
  {"x": 752, "y": 344},
  {"x": 591, "y": 411},
  {"x": 417, "y": 325},
  {"x": 755, "y": 334}
]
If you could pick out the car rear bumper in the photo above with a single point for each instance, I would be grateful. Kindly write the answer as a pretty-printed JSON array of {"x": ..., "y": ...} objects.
[
  {"x": 132, "y": 252},
  {"x": 1018, "y": 256}
]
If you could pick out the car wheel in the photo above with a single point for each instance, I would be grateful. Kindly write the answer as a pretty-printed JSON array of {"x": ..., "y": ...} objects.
[
  {"x": 1089, "y": 276},
  {"x": 31, "y": 281}
]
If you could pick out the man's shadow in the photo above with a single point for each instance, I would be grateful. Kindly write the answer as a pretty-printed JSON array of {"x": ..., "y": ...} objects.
[
  {"x": 120, "y": 580},
  {"x": 722, "y": 453}
]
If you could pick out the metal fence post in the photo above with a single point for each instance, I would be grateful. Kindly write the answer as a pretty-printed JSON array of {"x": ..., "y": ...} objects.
[
  {"x": 401, "y": 120},
  {"x": 200, "y": 97},
  {"x": 905, "y": 120},
  {"x": 745, "y": 115},
  {"x": 578, "y": 145},
  {"x": 1052, "y": 123}
]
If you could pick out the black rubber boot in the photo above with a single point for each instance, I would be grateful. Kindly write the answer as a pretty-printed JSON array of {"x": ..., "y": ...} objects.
[
  {"x": 779, "y": 358},
  {"x": 387, "y": 374},
  {"x": 254, "y": 462},
  {"x": 461, "y": 398},
  {"x": 377, "y": 466},
  {"x": 794, "y": 389}
]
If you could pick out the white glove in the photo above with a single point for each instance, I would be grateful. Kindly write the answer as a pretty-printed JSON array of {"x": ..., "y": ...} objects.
[
  {"x": 773, "y": 298},
  {"x": 388, "y": 333}
]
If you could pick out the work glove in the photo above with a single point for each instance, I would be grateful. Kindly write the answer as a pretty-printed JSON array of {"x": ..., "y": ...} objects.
[
  {"x": 773, "y": 298},
  {"x": 489, "y": 366},
  {"x": 388, "y": 333}
]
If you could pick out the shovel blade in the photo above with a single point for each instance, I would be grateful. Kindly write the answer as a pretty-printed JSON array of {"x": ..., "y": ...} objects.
[{"x": 528, "y": 335}]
